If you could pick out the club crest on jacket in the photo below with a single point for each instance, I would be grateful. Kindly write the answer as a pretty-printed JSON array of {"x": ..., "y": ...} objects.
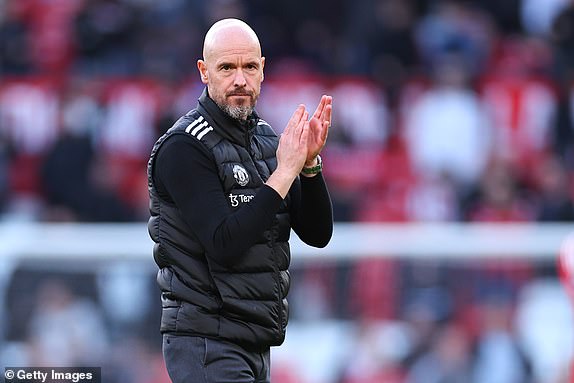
[{"x": 240, "y": 175}]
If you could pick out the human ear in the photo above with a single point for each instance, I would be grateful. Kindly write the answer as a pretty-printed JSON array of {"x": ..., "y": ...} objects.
[{"x": 202, "y": 71}]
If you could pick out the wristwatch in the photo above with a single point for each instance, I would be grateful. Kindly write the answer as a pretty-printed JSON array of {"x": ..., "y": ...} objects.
[{"x": 314, "y": 169}]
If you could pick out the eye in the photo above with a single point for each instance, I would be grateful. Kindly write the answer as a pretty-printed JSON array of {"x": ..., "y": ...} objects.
[
  {"x": 225, "y": 67},
  {"x": 251, "y": 66}
]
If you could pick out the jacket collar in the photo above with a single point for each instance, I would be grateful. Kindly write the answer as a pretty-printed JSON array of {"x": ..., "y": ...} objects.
[{"x": 236, "y": 131}]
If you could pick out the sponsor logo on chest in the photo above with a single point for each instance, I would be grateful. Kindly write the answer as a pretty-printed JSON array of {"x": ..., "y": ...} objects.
[{"x": 236, "y": 199}]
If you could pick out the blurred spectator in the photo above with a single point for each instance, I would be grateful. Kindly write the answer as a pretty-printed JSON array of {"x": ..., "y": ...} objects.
[
  {"x": 562, "y": 37},
  {"x": 65, "y": 330},
  {"x": 539, "y": 15},
  {"x": 65, "y": 177},
  {"x": 548, "y": 347},
  {"x": 521, "y": 105},
  {"x": 313, "y": 293},
  {"x": 446, "y": 130},
  {"x": 118, "y": 284},
  {"x": 51, "y": 34},
  {"x": 384, "y": 179},
  {"x": 554, "y": 192},
  {"x": 15, "y": 53},
  {"x": 425, "y": 305},
  {"x": 499, "y": 358},
  {"x": 563, "y": 123},
  {"x": 372, "y": 289},
  {"x": 106, "y": 32},
  {"x": 132, "y": 110},
  {"x": 71, "y": 190},
  {"x": 505, "y": 14},
  {"x": 378, "y": 350},
  {"x": 161, "y": 22},
  {"x": 427, "y": 299},
  {"x": 364, "y": 120},
  {"x": 69, "y": 170},
  {"x": 455, "y": 27},
  {"x": 28, "y": 123},
  {"x": 500, "y": 198},
  {"x": 562, "y": 134},
  {"x": 434, "y": 199},
  {"x": 448, "y": 359},
  {"x": 391, "y": 47},
  {"x": 29, "y": 108}
]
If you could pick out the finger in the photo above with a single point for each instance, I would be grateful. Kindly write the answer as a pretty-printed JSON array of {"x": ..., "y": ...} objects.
[
  {"x": 325, "y": 131},
  {"x": 304, "y": 135},
  {"x": 327, "y": 113},
  {"x": 295, "y": 118},
  {"x": 301, "y": 124},
  {"x": 319, "y": 111}
]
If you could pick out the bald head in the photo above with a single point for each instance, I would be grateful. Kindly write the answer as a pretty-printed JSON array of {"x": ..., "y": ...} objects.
[
  {"x": 232, "y": 67},
  {"x": 228, "y": 32}
]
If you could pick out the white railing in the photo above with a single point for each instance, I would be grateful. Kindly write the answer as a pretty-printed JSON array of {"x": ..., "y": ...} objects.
[{"x": 448, "y": 240}]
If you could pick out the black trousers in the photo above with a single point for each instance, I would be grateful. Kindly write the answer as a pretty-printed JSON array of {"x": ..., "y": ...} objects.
[{"x": 192, "y": 359}]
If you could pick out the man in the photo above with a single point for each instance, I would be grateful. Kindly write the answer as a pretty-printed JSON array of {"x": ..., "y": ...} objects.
[{"x": 225, "y": 192}]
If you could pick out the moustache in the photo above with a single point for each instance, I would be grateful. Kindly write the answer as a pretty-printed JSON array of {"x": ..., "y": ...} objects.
[{"x": 240, "y": 93}]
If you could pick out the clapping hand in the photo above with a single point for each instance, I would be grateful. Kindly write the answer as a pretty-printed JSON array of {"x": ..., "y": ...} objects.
[
  {"x": 293, "y": 144},
  {"x": 318, "y": 129}
]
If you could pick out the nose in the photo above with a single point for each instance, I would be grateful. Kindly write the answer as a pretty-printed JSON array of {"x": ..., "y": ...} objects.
[{"x": 239, "y": 80}]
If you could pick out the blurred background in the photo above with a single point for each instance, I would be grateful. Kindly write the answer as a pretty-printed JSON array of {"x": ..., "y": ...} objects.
[{"x": 448, "y": 114}]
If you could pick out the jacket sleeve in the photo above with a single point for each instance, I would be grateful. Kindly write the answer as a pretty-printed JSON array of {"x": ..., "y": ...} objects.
[
  {"x": 312, "y": 211},
  {"x": 186, "y": 175}
]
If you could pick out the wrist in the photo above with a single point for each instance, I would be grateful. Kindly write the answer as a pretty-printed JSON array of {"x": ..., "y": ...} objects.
[
  {"x": 280, "y": 180},
  {"x": 313, "y": 162},
  {"x": 315, "y": 167}
]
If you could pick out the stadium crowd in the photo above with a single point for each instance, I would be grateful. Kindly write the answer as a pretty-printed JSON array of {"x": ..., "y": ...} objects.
[{"x": 446, "y": 110}]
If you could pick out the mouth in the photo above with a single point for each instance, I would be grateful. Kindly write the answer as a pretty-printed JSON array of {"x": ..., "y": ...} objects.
[
  {"x": 241, "y": 96},
  {"x": 238, "y": 94}
]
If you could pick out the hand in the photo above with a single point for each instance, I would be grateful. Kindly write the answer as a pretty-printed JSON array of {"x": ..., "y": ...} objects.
[
  {"x": 291, "y": 152},
  {"x": 319, "y": 129},
  {"x": 293, "y": 144}
]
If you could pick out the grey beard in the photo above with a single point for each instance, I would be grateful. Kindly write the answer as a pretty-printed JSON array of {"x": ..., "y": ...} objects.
[{"x": 237, "y": 112}]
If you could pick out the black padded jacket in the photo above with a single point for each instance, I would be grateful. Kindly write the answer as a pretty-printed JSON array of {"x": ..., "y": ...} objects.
[{"x": 242, "y": 300}]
